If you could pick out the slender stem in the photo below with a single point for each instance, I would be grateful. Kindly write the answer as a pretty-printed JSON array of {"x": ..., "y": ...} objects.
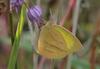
[
  {"x": 93, "y": 57},
  {"x": 34, "y": 40},
  {"x": 75, "y": 16},
  {"x": 67, "y": 16},
  {"x": 69, "y": 11},
  {"x": 10, "y": 20},
  {"x": 40, "y": 65},
  {"x": 74, "y": 28},
  {"x": 38, "y": 2},
  {"x": 63, "y": 63},
  {"x": 93, "y": 44},
  {"x": 53, "y": 64},
  {"x": 12, "y": 34},
  {"x": 93, "y": 51},
  {"x": 14, "y": 51},
  {"x": 11, "y": 28}
]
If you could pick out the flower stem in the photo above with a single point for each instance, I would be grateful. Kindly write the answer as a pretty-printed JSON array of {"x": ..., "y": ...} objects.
[
  {"x": 68, "y": 13},
  {"x": 11, "y": 28},
  {"x": 14, "y": 51},
  {"x": 67, "y": 17}
]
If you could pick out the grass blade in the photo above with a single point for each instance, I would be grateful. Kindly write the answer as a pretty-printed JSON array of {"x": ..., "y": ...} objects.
[{"x": 14, "y": 51}]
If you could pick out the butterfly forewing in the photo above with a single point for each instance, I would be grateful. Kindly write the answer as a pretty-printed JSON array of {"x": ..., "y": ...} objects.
[{"x": 51, "y": 40}]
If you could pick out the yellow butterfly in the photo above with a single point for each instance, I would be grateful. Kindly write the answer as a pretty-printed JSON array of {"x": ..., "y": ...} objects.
[{"x": 56, "y": 42}]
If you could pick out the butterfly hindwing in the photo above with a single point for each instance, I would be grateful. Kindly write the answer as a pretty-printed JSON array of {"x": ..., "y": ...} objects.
[{"x": 73, "y": 44}]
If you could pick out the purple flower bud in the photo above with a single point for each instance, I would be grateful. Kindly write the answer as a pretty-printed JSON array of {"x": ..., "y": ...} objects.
[
  {"x": 35, "y": 15},
  {"x": 15, "y": 4}
]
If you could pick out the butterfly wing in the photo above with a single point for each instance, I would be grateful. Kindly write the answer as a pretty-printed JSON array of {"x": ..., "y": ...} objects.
[
  {"x": 73, "y": 44},
  {"x": 55, "y": 42},
  {"x": 51, "y": 44}
]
